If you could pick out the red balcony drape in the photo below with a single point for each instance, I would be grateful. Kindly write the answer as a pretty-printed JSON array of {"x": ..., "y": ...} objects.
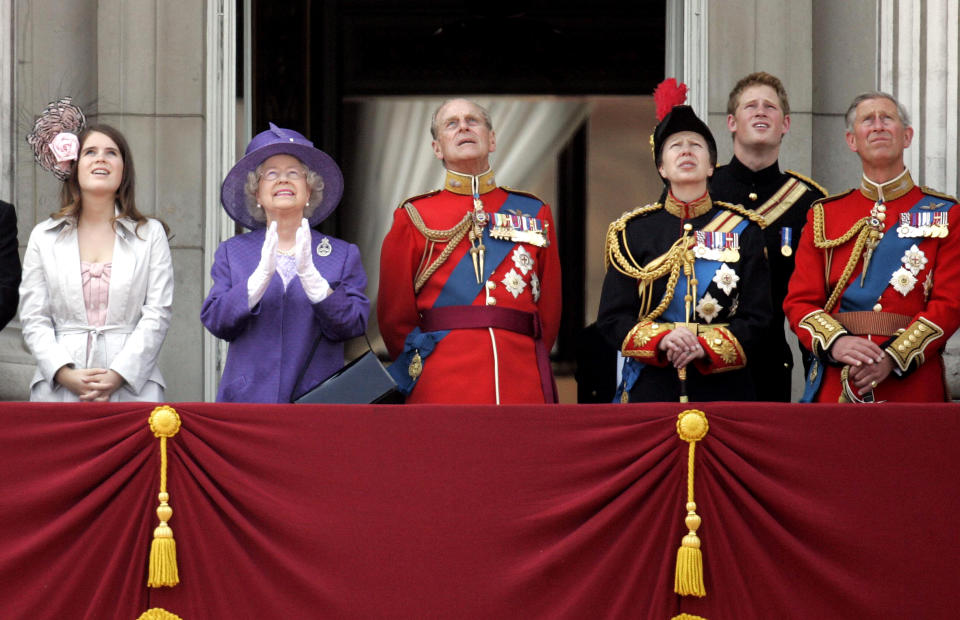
[{"x": 809, "y": 511}]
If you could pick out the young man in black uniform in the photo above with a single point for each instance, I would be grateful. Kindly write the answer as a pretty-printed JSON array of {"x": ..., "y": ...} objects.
[{"x": 758, "y": 117}]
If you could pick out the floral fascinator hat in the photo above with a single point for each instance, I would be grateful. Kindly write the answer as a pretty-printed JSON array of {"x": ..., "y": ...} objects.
[{"x": 54, "y": 136}]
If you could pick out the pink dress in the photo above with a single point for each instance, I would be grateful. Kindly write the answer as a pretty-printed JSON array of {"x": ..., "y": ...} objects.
[{"x": 96, "y": 294}]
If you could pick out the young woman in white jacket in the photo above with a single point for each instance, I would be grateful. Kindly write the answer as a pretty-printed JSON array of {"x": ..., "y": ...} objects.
[{"x": 97, "y": 285}]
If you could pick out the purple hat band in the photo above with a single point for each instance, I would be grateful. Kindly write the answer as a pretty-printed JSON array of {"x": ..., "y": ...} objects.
[{"x": 279, "y": 141}]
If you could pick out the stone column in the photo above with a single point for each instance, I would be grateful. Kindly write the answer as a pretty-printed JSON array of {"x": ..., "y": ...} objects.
[
  {"x": 150, "y": 59},
  {"x": 776, "y": 37},
  {"x": 918, "y": 52}
]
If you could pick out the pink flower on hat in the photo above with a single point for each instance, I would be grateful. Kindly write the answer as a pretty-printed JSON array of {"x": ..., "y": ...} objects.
[
  {"x": 59, "y": 117},
  {"x": 65, "y": 147}
]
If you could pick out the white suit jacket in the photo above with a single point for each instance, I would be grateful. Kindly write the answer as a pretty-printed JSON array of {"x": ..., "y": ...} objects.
[{"x": 54, "y": 317}]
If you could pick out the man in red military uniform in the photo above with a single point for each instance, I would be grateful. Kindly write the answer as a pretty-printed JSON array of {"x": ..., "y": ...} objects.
[
  {"x": 876, "y": 293},
  {"x": 469, "y": 299}
]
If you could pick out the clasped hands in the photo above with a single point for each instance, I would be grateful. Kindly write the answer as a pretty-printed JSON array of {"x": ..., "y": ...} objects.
[
  {"x": 90, "y": 384},
  {"x": 681, "y": 346},
  {"x": 869, "y": 364},
  {"x": 302, "y": 252}
]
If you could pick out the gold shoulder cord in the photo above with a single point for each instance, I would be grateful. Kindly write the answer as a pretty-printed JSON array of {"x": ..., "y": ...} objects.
[
  {"x": 754, "y": 217},
  {"x": 675, "y": 259},
  {"x": 611, "y": 249},
  {"x": 821, "y": 242},
  {"x": 450, "y": 236},
  {"x": 809, "y": 181}
]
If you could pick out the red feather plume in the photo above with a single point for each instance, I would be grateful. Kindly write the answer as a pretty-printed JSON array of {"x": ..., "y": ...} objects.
[{"x": 667, "y": 94}]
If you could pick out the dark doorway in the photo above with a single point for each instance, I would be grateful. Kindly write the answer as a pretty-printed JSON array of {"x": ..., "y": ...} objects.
[{"x": 311, "y": 56}]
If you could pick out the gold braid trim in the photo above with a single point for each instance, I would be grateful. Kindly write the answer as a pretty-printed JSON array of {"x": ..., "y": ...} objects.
[
  {"x": 933, "y": 192},
  {"x": 823, "y": 328},
  {"x": 672, "y": 261},
  {"x": 618, "y": 226},
  {"x": 742, "y": 211},
  {"x": 910, "y": 345},
  {"x": 722, "y": 342},
  {"x": 820, "y": 241},
  {"x": 808, "y": 181},
  {"x": 450, "y": 236}
]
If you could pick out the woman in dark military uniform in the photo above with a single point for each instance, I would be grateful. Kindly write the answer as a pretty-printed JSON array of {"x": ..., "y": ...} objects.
[{"x": 687, "y": 291}]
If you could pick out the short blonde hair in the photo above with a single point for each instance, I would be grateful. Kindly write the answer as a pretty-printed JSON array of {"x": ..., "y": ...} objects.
[{"x": 252, "y": 186}]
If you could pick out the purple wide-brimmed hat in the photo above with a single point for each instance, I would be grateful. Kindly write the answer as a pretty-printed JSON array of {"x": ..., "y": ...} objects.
[{"x": 279, "y": 141}]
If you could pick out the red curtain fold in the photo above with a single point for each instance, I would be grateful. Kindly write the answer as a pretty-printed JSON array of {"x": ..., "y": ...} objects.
[{"x": 812, "y": 511}]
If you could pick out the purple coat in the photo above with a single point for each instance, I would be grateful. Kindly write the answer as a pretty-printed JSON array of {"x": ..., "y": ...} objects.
[{"x": 270, "y": 344}]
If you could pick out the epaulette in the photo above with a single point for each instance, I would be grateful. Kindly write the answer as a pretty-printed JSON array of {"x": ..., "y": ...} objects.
[
  {"x": 742, "y": 211},
  {"x": 933, "y": 192},
  {"x": 417, "y": 197},
  {"x": 808, "y": 181},
  {"x": 522, "y": 193},
  {"x": 832, "y": 197},
  {"x": 619, "y": 224}
]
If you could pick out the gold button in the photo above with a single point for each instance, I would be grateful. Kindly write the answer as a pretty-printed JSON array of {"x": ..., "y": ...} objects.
[
  {"x": 922, "y": 328},
  {"x": 491, "y": 301},
  {"x": 877, "y": 307},
  {"x": 901, "y": 347},
  {"x": 752, "y": 195},
  {"x": 718, "y": 341}
]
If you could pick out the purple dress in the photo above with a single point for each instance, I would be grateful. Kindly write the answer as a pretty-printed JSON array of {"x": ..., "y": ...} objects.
[{"x": 270, "y": 344}]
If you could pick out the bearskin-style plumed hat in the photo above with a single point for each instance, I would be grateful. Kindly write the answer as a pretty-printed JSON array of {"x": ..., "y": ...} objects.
[{"x": 675, "y": 117}]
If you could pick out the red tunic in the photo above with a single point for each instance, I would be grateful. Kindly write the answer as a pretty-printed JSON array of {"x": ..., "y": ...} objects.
[
  {"x": 929, "y": 309},
  {"x": 468, "y": 364}
]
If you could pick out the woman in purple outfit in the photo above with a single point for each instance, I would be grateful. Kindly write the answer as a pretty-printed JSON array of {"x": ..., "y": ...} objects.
[{"x": 282, "y": 288}]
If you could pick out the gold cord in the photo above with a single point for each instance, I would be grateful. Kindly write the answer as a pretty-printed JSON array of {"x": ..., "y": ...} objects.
[
  {"x": 820, "y": 241},
  {"x": 450, "y": 236}
]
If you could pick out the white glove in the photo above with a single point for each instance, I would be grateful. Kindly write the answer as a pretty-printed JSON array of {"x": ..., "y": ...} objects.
[
  {"x": 259, "y": 280},
  {"x": 314, "y": 285}
]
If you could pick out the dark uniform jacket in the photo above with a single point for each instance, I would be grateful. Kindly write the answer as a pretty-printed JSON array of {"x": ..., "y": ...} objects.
[
  {"x": 9, "y": 264},
  {"x": 728, "y": 335},
  {"x": 783, "y": 198}
]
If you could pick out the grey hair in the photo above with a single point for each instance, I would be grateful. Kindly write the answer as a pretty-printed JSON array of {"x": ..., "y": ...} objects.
[
  {"x": 851, "y": 115},
  {"x": 314, "y": 184},
  {"x": 434, "y": 130}
]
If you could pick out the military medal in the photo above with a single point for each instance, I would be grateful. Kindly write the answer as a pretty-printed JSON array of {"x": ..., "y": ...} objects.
[
  {"x": 519, "y": 228},
  {"x": 786, "y": 239},
  {"x": 718, "y": 246},
  {"x": 324, "y": 248},
  {"x": 934, "y": 225},
  {"x": 416, "y": 366}
]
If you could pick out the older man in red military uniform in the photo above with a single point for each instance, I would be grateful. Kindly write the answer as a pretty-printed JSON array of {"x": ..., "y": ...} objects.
[
  {"x": 469, "y": 299},
  {"x": 876, "y": 293}
]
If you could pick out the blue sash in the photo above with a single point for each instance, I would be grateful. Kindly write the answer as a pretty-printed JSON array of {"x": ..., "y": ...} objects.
[
  {"x": 885, "y": 260},
  {"x": 676, "y": 312},
  {"x": 460, "y": 289}
]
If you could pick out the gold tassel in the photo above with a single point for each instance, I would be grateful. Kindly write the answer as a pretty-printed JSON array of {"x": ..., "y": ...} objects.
[
  {"x": 692, "y": 426},
  {"x": 164, "y": 422},
  {"x": 159, "y": 613},
  {"x": 688, "y": 617}
]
